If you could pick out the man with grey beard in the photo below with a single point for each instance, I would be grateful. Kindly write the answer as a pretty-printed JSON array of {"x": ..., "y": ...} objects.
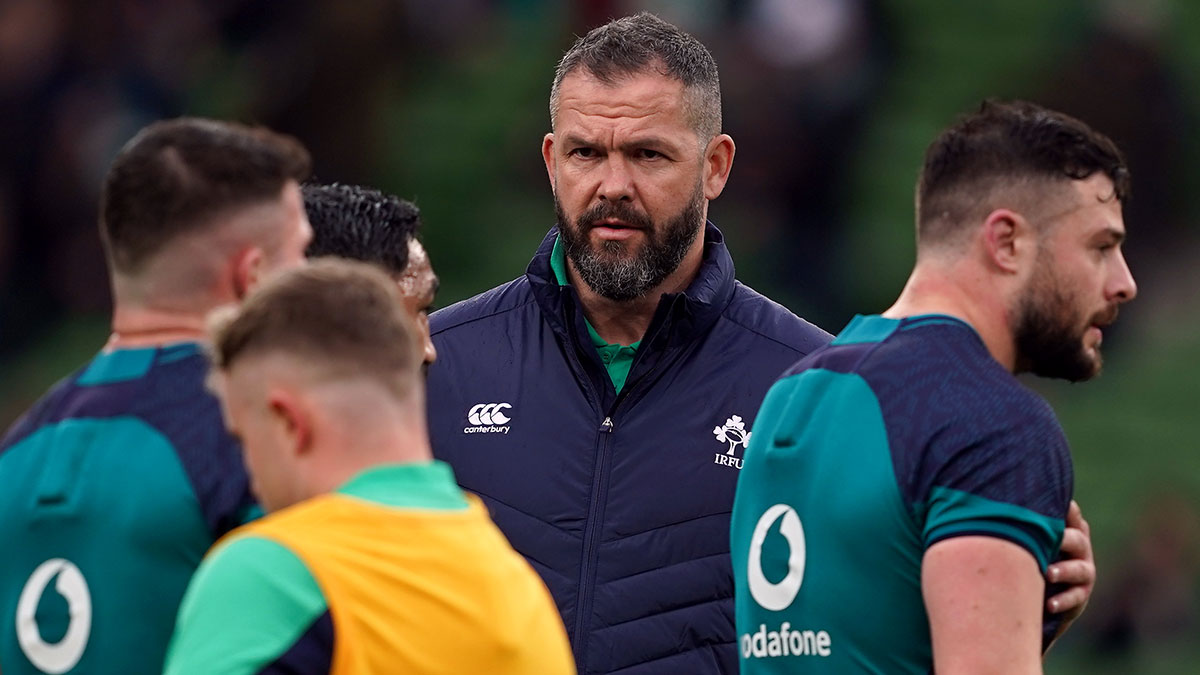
[{"x": 600, "y": 404}]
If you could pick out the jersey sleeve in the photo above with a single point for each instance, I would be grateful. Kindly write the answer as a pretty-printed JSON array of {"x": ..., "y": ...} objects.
[
  {"x": 252, "y": 607},
  {"x": 995, "y": 473}
]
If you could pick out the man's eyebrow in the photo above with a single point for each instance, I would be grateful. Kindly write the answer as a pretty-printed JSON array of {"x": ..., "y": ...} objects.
[
  {"x": 651, "y": 142},
  {"x": 576, "y": 139}
]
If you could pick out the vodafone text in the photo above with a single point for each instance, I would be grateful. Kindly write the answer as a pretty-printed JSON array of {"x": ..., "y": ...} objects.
[{"x": 785, "y": 642}]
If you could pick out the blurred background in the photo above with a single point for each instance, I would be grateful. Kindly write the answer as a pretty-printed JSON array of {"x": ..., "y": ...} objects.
[{"x": 831, "y": 103}]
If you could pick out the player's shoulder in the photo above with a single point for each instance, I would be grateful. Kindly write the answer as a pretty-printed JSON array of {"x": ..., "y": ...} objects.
[
  {"x": 944, "y": 359},
  {"x": 118, "y": 382},
  {"x": 249, "y": 567},
  {"x": 46, "y": 410},
  {"x": 249, "y": 601},
  {"x": 247, "y": 551},
  {"x": 937, "y": 363},
  {"x": 762, "y": 317},
  {"x": 175, "y": 385},
  {"x": 499, "y": 300}
]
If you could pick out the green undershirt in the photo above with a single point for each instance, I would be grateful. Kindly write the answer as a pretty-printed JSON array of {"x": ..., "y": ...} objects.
[{"x": 618, "y": 359}]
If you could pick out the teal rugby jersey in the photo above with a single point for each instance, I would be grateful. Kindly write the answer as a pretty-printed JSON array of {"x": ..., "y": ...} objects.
[
  {"x": 897, "y": 435},
  {"x": 112, "y": 488}
]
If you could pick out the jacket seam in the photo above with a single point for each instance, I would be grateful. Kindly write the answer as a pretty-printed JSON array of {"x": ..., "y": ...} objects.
[
  {"x": 506, "y": 505},
  {"x": 660, "y": 568},
  {"x": 763, "y": 335},
  {"x": 510, "y": 506},
  {"x": 489, "y": 315},
  {"x": 707, "y": 601},
  {"x": 710, "y": 646},
  {"x": 666, "y": 525}
]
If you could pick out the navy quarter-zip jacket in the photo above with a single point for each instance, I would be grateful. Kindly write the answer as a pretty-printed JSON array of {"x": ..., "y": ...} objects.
[{"x": 620, "y": 502}]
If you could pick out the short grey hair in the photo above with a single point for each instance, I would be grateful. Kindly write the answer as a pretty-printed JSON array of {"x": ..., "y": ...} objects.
[{"x": 642, "y": 42}]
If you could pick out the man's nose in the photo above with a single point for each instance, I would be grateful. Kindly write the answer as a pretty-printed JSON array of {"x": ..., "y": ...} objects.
[{"x": 616, "y": 183}]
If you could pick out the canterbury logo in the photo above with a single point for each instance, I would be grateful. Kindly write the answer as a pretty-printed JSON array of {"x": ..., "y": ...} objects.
[
  {"x": 488, "y": 418},
  {"x": 488, "y": 413}
]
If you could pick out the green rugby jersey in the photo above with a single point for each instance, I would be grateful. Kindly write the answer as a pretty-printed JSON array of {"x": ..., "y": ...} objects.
[
  {"x": 899, "y": 434},
  {"x": 112, "y": 488}
]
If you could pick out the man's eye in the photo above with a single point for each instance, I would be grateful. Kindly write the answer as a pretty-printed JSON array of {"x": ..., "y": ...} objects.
[
  {"x": 649, "y": 154},
  {"x": 583, "y": 153}
]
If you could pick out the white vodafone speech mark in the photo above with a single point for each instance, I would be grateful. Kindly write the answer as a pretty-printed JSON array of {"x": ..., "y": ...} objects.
[
  {"x": 777, "y": 596},
  {"x": 63, "y": 655}
]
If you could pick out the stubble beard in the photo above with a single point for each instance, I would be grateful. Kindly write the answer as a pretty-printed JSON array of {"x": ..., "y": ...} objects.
[{"x": 610, "y": 269}]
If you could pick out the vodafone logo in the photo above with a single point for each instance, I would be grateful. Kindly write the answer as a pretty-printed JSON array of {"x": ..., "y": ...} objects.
[
  {"x": 61, "y": 656},
  {"x": 488, "y": 418},
  {"x": 788, "y": 640},
  {"x": 777, "y": 596}
]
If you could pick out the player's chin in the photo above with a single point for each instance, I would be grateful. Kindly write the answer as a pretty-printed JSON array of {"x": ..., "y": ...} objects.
[{"x": 613, "y": 251}]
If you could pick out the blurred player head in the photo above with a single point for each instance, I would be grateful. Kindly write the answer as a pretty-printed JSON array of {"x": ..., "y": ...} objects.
[
  {"x": 635, "y": 153},
  {"x": 350, "y": 221},
  {"x": 319, "y": 372},
  {"x": 1036, "y": 196},
  {"x": 194, "y": 212}
]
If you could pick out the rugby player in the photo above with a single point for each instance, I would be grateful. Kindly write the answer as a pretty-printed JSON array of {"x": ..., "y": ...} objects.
[
  {"x": 371, "y": 560},
  {"x": 359, "y": 223},
  {"x": 120, "y": 478},
  {"x": 903, "y": 495}
]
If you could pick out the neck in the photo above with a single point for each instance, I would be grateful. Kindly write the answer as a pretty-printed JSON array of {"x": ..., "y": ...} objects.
[
  {"x": 395, "y": 437},
  {"x": 962, "y": 293},
  {"x": 134, "y": 326},
  {"x": 168, "y": 303},
  {"x": 334, "y": 476},
  {"x": 626, "y": 322}
]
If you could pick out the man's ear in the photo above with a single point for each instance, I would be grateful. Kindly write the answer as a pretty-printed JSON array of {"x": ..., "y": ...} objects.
[
  {"x": 292, "y": 413},
  {"x": 548, "y": 157},
  {"x": 718, "y": 162},
  {"x": 1009, "y": 240},
  {"x": 247, "y": 270}
]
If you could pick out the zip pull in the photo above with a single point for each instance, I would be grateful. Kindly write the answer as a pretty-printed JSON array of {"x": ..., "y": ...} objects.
[{"x": 607, "y": 425}]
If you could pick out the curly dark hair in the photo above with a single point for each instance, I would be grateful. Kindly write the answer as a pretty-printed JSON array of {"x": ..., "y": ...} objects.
[
  {"x": 1001, "y": 145},
  {"x": 359, "y": 223}
]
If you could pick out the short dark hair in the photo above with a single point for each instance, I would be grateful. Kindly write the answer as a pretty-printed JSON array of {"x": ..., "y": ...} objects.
[
  {"x": 176, "y": 176},
  {"x": 633, "y": 44},
  {"x": 359, "y": 223},
  {"x": 1002, "y": 145},
  {"x": 341, "y": 317}
]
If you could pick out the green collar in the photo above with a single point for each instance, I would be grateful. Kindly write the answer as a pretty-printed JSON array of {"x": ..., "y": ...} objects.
[
  {"x": 416, "y": 485},
  {"x": 558, "y": 262},
  {"x": 618, "y": 359},
  {"x": 877, "y": 328}
]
